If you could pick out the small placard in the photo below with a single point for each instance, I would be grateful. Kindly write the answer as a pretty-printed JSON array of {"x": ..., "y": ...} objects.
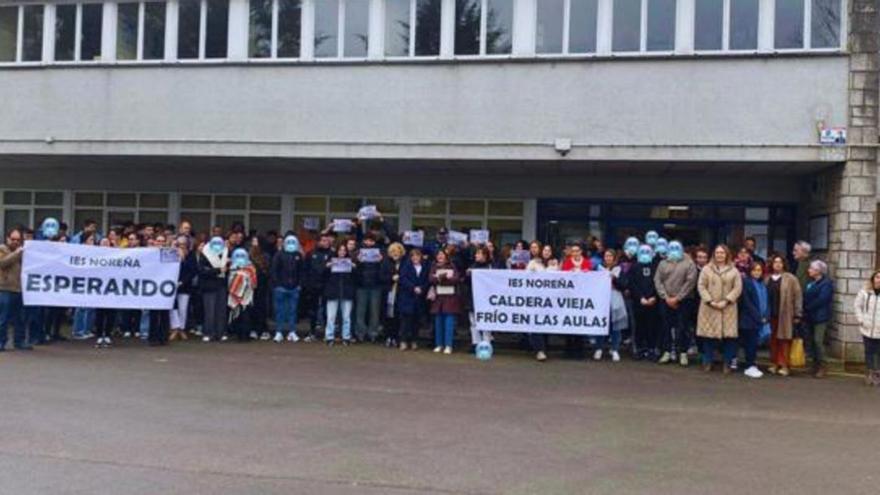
[
  {"x": 369, "y": 255},
  {"x": 341, "y": 225},
  {"x": 480, "y": 237},
  {"x": 368, "y": 212},
  {"x": 341, "y": 265},
  {"x": 414, "y": 238},
  {"x": 457, "y": 238},
  {"x": 312, "y": 223}
]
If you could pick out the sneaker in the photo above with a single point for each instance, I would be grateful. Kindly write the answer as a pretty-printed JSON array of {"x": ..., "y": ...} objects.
[
  {"x": 265, "y": 336},
  {"x": 292, "y": 337},
  {"x": 389, "y": 342},
  {"x": 692, "y": 351},
  {"x": 330, "y": 343},
  {"x": 126, "y": 335},
  {"x": 198, "y": 332},
  {"x": 753, "y": 372},
  {"x": 99, "y": 343},
  {"x": 279, "y": 337},
  {"x": 309, "y": 338},
  {"x": 665, "y": 358},
  {"x": 206, "y": 339},
  {"x": 733, "y": 365},
  {"x": 541, "y": 356},
  {"x": 597, "y": 356},
  {"x": 615, "y": 356},
  {"x": 403, "y": 346},
  {"x": 254, "y": 336},
  {"x": 784, "y": 372},
  {"x": 346, "y": 343},
  {"x": 107, "y": 342},
  {"x": 772, "y": 369},
  {"x": 224, "y": 338},
  {"x": 438, "y": 349},
  {"x": 447, "y": 350},
  {"x": 137, "y": 335},
  {"x": 414, "y": 346},
  {"x": 683, "y": 359}
]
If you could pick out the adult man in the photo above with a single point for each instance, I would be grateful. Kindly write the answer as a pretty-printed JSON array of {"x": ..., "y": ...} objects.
[
  {"x": 368, "y": 297},
  {"x": 10, "y": 291},
  {"x": 313, "y": 285},
  {"x": 801, "y": 253},
  {"x": 286, "y": 274},
  {"x": 751, "y": 246},
  {"x": 675, "y": 280},
  {"x": 89, "y": 227}
]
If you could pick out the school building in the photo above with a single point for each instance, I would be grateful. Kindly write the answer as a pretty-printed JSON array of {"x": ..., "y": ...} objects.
[{"x": 707, "y": 120}]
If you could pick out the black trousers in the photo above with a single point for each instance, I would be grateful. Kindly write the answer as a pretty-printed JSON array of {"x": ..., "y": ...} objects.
[
  {"x": 409, "y": 328},
  {"x": 646, "y": 328},
  {"x": 159, "y": 324},
  {"x": 130, "y": 321},
  {"x": 52, "y": 321},
  {"x": 312, "y": 305},
  {"x": 675, "y": 335},
  {"x": 104, "y": 321},
  {"x": 240, "y": 326}
]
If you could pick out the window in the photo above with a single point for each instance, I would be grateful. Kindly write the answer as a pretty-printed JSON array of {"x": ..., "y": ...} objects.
[
  {"x": 274, "y": 29},
  {"x": 550, "y": 26},
  {"x": 202, "y": 29},
  {"x": 65, "y": 31},
  {"x": 8, "y": 34},
  {"x": 127, "y": 31},
  {"x": 140, "y": 31},
  {"x": 661, "y": 25},
  {"x": 326, "y": 28},
  {"x": 32, "y": 33},
  {"x": 154, "y": 31},
  {"x": 341, "y": 28},
  {"x": 499, "y": 27},
  {"x": 583, "y": 15},
  {"x": 742, "y": 25},
  {"x": 467, "y": 27},
  {"x": 627, "y": 34},
  {"x": 29, "y": 208},
  {"x": 90, "y": 41},
  {"x": 709, "y": 25},
  {"x": 412, "y": 28},
  {"x": 478, "y": 34},
  {"x": 789, "y": 24},
  {"x": 825, "y": 24},
  {"x": 627, "y": 26}
]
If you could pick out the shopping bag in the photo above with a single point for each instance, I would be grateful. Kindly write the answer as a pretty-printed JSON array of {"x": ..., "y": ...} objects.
[{"x": 796, "y": 356}]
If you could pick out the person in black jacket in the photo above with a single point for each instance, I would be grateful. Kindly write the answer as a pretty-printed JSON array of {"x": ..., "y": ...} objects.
[
  {"x": 368, "y": 298},
  {"x": 213, "y": 270},
  {"x": 286, "y": 275},
  {"x": 390, "y": 276},
  {"x": 313, "y": 285},
  {"x": 640, "y": 282},
  {"x": 754, "y": 314},
  {"x": 339, "y": 292},
  {"x": 189, "y": 272}
]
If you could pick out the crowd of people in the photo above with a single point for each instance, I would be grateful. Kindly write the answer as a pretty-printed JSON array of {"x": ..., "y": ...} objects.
[{"x": 669, "y": 304}]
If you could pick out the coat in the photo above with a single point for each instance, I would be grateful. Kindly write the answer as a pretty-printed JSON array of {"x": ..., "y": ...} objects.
[
  {"x": 339, "y": 286},
  {"x": 408, "y": 302},
  {"x": 791, "y": 306},
  {"x": 714, "y": 285},
  {"x": 286, "y": 270},
  {"x": 817, "y": 300},
  {"x": 446, "y": 303},
  {"x": 867, "y": 306},
  {"x": 750, "y": 315},
  {"x": 10, "y": 270}
]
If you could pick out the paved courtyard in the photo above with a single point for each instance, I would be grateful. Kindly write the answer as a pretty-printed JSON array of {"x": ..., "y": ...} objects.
[{"x": 264, "y": 418}]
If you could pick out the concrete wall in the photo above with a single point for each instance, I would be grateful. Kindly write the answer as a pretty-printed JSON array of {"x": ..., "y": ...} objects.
[{"x": 729, "y": 109}]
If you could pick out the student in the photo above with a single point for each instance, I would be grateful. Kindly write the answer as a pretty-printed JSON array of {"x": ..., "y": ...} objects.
[
  {"x": 263, "y": 292},
  {"x": 481, "y": 262},
  {"x": 720, "y": 286},
  {"x": 186, "y": 281},
  {"x": 314, "y": 279},
  {"x": 575, "y": 262},
  {"x": 339, "y": 292},
  {"x": 786, "y": 311},
  {"x": 213, "y": 269},
  {"x": 543, "y": 262},
  {"x": 754, "y": 314},
  {"x": 446, "y": 303},
  {"x": 368, "y": 299},
  {"x": 640, "y": 284},
  {"x": 130, "y": 319},
  {"x": 619, "y": 319},
  {"x": 818, "y": 296},
  {"x": 10, "y": 291},
  {"x": 626, "y": 262},
  {"x": 675, "y": 281},
  {"x": 867, "y": 310},
  {"x": 390, "y": 277},
  {"x": 242, "y": 285},
  {"x": 411, "y": 298},
  {"x": 286, "y": 275},
  {"x": 84, "y": 318}
]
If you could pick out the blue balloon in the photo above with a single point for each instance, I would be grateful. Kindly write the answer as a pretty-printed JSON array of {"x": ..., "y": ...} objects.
[{"x": 484, "y": 351}]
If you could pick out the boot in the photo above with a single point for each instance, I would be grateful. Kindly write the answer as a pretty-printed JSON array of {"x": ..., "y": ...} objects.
[{"x": 821, "y": 372}]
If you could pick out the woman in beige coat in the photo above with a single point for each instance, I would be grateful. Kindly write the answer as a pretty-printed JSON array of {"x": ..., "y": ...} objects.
[
  {"x": 786, "y": 310},
  {"x": 719, "y": 285},
  {"x": 867, "y": 306}
]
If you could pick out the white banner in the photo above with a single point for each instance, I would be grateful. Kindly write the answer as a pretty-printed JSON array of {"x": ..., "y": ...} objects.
[
  {"x": 75, "y": 275},
  {"x": 564, "y": 303}
]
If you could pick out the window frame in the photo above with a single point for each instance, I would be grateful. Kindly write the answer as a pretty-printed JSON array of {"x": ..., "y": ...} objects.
[
  {"x": 482, "y": 55},
  {"x": 566, "y": 34},
  {"x": 274, "y": 30}
]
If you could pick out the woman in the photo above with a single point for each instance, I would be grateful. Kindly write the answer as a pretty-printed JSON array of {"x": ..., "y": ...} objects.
[
  {"x": 544, "y": 262},
  {"x": 786, "y": 310},
  {"x": 537, "y": 263},
  {"x": 867, "y": 306},
  {"x": 242, "y": 288},
  {"x": 105, "y": 318},
  {"x": 411, "y": 297},
  {"x": 339, "y": 292},
  {"x": 754, "y": 316},
  {"x": 84, "y": 318},
  {"x": 186, "y": 281},
  {"x": 481, "y": 262},
  {"x": 260, "y": 310},
  {"x": 495, "y": 257},
  {"x": 743, "y": 261},
  {"x": 818, "y": 297},
  {"x": 389, "y": 274},
  {"x": 576, "y": 261},
  {"x": 131, "y": 318},
  {"x": 446, "y": 303},
  {"x": 213, "y": 268},
  {"x": 619, "y": 317},
  {"x": 719, "y": 286}
]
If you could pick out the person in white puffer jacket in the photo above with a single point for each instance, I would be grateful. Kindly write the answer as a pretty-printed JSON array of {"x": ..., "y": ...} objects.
[{"x": 867, "y": 308}]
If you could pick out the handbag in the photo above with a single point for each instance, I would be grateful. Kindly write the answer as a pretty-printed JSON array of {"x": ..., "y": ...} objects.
[{"x": 796, "y": 356}]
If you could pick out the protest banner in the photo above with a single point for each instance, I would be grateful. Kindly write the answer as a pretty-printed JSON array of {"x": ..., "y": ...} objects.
[
  {"x": 479, "y": 237},
  {"x": 369, "y": 255},
  {"x": 341, "y": 265},
  {"x": 566, "y": 303},
  {"x": 414, "y": 238},
  {"x": 342, "y": 225},
  {"x": 76, "y": 275}
]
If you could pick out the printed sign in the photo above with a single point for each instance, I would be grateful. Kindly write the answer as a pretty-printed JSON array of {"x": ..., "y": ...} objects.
[
  {"x": 480, "y": 237},
  {"x": 832, "y": 136},
  {"x": 369, "y": 255},
  {"x": 77, "y": 275},
  {"x": 341, "y": 265},
  {"x": 566, "y": 303},
  {"x": 368, "y": 212},
  {"x": 457, "y": 238},
  {"x": 414, "y": 238},
  {"x": 520, "y": 257},
  {"x": 341, "y": 225},
  {"x": 312, "y": 223}
]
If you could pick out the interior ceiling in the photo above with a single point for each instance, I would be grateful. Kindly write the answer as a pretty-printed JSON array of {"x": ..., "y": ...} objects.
[{"x": 353, "y": 166}]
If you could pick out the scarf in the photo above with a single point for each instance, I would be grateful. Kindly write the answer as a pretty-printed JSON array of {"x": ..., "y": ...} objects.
[
  {"x": 242, "y": 283},
  {"x": 218, "y": 261}
]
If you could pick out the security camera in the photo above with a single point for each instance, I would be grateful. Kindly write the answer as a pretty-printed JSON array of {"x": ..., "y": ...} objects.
[{"x": 562, "y": 146}]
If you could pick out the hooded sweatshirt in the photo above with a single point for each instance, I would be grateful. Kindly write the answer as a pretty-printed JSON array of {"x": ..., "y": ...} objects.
[{"x": 676, "y": 278}]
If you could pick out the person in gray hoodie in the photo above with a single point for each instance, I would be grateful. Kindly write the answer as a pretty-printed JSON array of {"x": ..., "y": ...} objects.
[{"x": 675, "y": 280}]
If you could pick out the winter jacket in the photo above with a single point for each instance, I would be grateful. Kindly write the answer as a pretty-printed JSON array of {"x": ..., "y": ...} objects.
[
  {"x": 210, "y": 279},
  {"x": 676, "y": 278},
  {"x": 716, "y": 284},
  {"x": 339, "y": 285},
  {"x": 791, "y": 306},
  {"x": 750, "y": 315},
  {"x": 189, "y": 273},
  {"x": 286, "y": 270},
  {"x": 369, "y": 275},
  {"x": 408, "y": 302},
  {"x": 867, "y": 306},
  {"x": 315, "y": 268},
  {"x": 10, "y": 270},
  {"x": 639, "y": 281},
  {"x": 817, "y": 300},
  {"x": 445, "y": 303},
  {"x": 569, "y": 266}
]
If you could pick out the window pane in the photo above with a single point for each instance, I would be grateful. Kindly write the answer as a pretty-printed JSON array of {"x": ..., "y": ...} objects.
[
  {"x": 8, "y": 33},
  {"x": 465, "y": 225},
  {"x": 289, "y": 18},
  {"x": 429, "y": 207},
  {"x": 121, "y": 199},
  {"x": 326, "y": 27},
  {"x": 154, "y": 200},
  {"x": 743, "y": 24},
  {"x": 118, "y": 217},
  {"x": 126, "y": 31},
  {"x": 582, "y": 26},
  {"x": 311, "y": 204},
  {"x": 48, "y": 198},
  {"x": 825, "y": 24},
  {"x": 195, "y": 201},
  {"x": 467, "y": 207},
  {"x": 260, "y": 31},
  {"x": 263, "y": 223},
  {"x": 499, "y": 26},
  {"x": 188, "y": 29},
  {"x": 65, "y": 31},
  {"x": 505, "y": 231},
  {"x": 201, "y": 222},
  {"x": 789, "y": 31},
  {"x": 154, "y": 30},
  {"x": 661, "y": 25},
  {"x": 32, "y": 36},
  {"x": 17, "y": 197},
  {"x": 345, "y": 205},
  {"x": 90, "y": 44},
  {"x": 270, "y": 203},
  {"x": 228, "y": 202},
  {"x": 397, "y": 28},
  {"x": 467, "y": 27},
  {"x": 627, "y": 26},
  {"x": 429, "y": 225},
  {"x": 217, "y": 27},
  {"x": 357, "y": 19},
  {"x": 548, "y": 31},
  {"x": 226, "y": 221},
  {"x": 153, "y": 217},
  {"x": 386, "y": 206},
  {"x": 80, "y": 217},
  {"x": 427, "y": 27},
  {"x": 89, "y": 199},
  {"x": 16, "y": 218},
  {"x": 709, "y": 25},
  {"x": 506, "y": 208}
]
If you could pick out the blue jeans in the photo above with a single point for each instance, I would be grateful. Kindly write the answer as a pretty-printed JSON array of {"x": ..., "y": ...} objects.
[
  {"x": 333, "y": 306},
  {"x": 614, "y": 336},
  {"x": 286, "y": 305},
  {"x": 444, "y": 329},
  {"x": 11, "y": 312},
  {"x": 368, "y": 299},
  {"x": 728, "y": 347},
  {"x": 83, "y": 321}
]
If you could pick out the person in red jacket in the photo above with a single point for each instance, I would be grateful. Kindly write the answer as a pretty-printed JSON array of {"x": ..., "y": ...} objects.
[{"x": 576, "y": 261}]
